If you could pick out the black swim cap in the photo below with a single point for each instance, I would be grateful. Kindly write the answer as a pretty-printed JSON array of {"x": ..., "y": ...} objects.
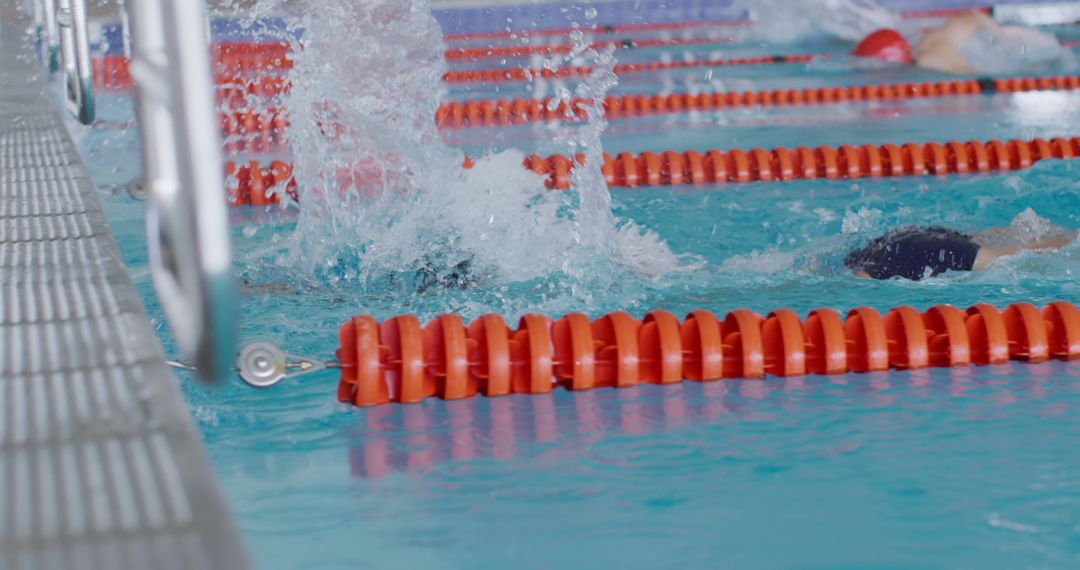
[{"x": 913, "y": 251}]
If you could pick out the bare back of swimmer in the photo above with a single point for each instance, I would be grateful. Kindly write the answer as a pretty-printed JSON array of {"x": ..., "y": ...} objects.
[{"x": 970, "y": 42}]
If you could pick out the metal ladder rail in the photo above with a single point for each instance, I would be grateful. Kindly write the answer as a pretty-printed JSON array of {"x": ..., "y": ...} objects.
[{"x": 186, "y": 217}]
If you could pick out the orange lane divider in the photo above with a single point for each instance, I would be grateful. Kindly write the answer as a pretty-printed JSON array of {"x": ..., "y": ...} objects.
[
  {"x": 112, "y": 72},
  {"x": 236, "y": 60},
  {"x": 398, "y": 360},
  {"x": 638, "y": 28},
  {"x": 708, "y": 25},
  {"x": 784, "y": 164},
  {"x": 254, "y": 132},
  {"x": 231, "y": 61},
  {"x": 251, "y": 57},
  {"x": 258, "y": 185},
  {"x": 505, "y": 74},
  {"x": 499, "y": 112},
  {"x": 238, "y": 94},
  {"x": 238, "y": 80},
  {"x": 503, "y": 112},
  {"x": 235, "y": 91},
  {"x": 252, "y": 184},
  {"x": 474, "y": 53},
  {"x": 620, "y": 43},
  {"x": 500, "y": 74}
]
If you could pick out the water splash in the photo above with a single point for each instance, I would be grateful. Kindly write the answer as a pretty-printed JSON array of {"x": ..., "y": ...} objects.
[
  {"x": 383, "y": 196},
  {"x": 1027, "y": 227},
  {"x": 1014, "y": 49},
  {"x": 793, "y": 21}
]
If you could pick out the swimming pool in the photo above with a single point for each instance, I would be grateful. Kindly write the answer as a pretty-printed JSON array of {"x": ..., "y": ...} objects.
[{"x": 937, "y": 467}]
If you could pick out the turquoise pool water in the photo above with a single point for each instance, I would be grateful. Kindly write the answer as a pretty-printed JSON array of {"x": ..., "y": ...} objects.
[{"x": 972, "y": 467}]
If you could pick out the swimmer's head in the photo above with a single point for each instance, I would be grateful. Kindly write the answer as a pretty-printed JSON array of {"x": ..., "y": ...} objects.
[
  {"x": 866, "y": 261},
  {"x": 886, "y": 45}
]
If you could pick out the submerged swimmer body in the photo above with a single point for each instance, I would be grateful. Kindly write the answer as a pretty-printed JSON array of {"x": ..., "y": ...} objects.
[
  {"x": 971, "y": 42},
  {"x": 460, "y": 276},
  {"x": 916, "y": 252},
  {"x": 429, "y": 275}
]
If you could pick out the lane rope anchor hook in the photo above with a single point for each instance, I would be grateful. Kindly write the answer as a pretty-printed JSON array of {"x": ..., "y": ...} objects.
[{"x": 261, "y": 364}]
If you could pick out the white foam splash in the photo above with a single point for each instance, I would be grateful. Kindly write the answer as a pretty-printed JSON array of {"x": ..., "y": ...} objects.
[
  {"x": 766, "y": 262},
  {"x": 1027, "y": 227},
  {"x": 861, "y": 220},
  {"x": 382, "y": 194},
  {"x": 792, "y": 21},
  {"x": 1014, "y": 49}
]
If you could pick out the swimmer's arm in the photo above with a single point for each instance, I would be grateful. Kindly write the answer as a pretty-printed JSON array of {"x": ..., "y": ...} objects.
[
  {"x": 940, "y": 48},
  {"x": 1053, "y": 242},
  {"x": 988, "y": 254},
  {"x": 1006, "y": 237},
  {"x": 1029, "y": 36},
  {"x": 946, "y": 58}
]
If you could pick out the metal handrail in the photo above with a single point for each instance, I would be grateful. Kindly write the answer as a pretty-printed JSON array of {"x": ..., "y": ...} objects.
[
  {"x": 186, "y": 216},
  {"x": 38, "y": 10},
  {"x": 75, "y": 59},
  {"x": 125, "y": 29},
  {"x": 50, "y": 33}
]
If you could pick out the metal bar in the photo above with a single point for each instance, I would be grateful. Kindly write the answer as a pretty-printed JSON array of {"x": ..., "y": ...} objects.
[
  {"x": 187, "y": 220},
  {"x": 125, "y": 28},
  {"x": 38, "y": 10},
  {"x": 75, "y": 59},
  {"x": 51, "y": 37}
]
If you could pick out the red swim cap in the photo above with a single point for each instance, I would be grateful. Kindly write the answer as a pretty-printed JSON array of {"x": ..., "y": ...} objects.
[{"x": 887, "y": 45}]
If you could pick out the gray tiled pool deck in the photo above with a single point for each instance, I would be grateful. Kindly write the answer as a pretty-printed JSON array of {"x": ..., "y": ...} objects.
[{"x": 100, "y": 464}]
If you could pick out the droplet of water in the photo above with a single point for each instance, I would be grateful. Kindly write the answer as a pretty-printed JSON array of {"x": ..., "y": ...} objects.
[{"x": 590, "y": 13}]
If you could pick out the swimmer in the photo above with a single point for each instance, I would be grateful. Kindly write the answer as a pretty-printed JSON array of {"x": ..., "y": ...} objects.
[
  {"x": 971, "y": 42},
  {"x": 459, "y": 276},
  {"x": 915, "y": 252},
  {"x": 429, "y": 275}
]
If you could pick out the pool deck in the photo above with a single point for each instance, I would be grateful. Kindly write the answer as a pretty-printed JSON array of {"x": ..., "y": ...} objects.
[{"x": 100, "y": 464}]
